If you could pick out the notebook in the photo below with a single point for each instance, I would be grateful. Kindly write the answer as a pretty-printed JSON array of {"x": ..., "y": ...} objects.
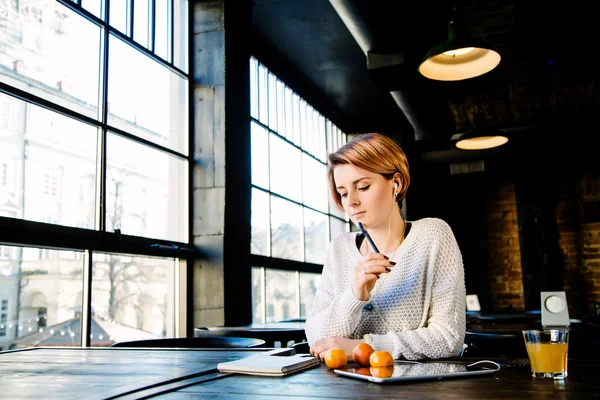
[{"x": 270, "y": 364}]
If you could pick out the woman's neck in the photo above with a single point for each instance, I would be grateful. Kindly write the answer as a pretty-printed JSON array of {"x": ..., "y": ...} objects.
[{"x": 387, "y": 244}]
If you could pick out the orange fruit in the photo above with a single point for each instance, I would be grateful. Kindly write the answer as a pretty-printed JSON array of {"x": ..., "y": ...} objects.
[
  {"x": 382, "y": 372},
  {"x": 381, "y": 359},
  {"x": 361, "y": 354},
  {"x": 336, "y": 358}
]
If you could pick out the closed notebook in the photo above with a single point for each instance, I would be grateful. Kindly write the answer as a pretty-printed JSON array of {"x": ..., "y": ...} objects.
[{"x": 270, "y": 365}]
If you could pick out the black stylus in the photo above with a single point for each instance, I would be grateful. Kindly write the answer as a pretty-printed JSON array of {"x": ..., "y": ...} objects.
[{"x": 364, "y": 232}]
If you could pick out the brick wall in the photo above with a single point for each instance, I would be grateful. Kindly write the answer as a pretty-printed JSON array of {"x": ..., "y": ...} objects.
[
  {"x": 579, "y": 243},
  {"x": 591, "y": 264},
  {"x": 503, "y": 249},
  {"x": 569, "y": 228},
  {"x": 588, "y": 189}
]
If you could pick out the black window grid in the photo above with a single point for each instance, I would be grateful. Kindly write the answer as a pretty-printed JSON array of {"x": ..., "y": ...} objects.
[
  {"x": 17, "y": 232},
  {"x": 333, "y": 139}
]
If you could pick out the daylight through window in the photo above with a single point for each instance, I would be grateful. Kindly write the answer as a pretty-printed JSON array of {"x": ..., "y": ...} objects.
[
  {"x": 293, "y": 218},
  {"x": 94, "y": 135}
]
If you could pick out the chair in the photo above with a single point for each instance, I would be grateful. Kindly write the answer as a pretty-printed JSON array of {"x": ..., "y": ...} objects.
[
  {"x": 195, "y": 343},
  {"x": 274, "y": 337},
  {"x": 494, "y": 345}
]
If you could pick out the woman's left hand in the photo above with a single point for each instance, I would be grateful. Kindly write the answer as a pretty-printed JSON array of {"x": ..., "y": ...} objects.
[{"x": 332, "y": 342}]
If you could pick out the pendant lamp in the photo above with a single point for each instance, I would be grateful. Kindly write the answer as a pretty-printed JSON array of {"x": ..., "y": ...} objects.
[
  {"x": 481, "y": 137},
  {"x": 458, "y": 58}
]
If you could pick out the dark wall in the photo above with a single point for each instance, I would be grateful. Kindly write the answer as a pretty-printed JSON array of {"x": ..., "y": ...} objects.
[
  {"x": 521, "y": 224},
  {"x": 460, "y": 201}
]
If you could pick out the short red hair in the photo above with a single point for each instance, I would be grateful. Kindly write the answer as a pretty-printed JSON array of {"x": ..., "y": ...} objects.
[{"x": 375, "y": 153}]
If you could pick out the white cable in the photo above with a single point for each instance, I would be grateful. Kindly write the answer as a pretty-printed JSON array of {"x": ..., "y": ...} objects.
[{"x": 486, "y": 361}]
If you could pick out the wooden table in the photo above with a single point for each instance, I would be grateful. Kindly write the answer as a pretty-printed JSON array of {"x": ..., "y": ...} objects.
[
  {"x": 99, "y": 373},
  {"x": 121, "y": 373}
]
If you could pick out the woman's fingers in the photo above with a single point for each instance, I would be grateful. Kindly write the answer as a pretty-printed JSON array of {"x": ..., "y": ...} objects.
[
  {"x": 374, "y": 256},
  {"x": 323, "y": 345},
  {"x": 367, "y": 272},
  {"x": 375, "y": 266},
  {"x": 375, "y": 270},
  {"x": 320, "y": 348},
  {"x": 376, "y": 259}
]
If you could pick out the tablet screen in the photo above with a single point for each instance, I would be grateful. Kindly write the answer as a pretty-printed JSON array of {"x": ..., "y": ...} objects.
[{"x": 408, "y": 371}]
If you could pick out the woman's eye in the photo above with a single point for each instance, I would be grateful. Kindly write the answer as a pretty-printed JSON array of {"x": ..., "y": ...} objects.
[
  {"x": 343, "y": 195},
  {"x": 362, "y": 189}
]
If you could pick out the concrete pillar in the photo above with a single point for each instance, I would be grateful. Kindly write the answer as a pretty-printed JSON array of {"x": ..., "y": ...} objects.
[{"x": 222, "y": 32}]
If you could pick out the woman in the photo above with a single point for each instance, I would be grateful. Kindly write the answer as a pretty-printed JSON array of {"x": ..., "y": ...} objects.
[{"x": 410, "y": 298}]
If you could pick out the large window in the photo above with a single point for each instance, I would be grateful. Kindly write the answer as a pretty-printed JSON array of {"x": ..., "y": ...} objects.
[
  {"x": 293, "y": 219},
  {"x": 94, "y": 164}
]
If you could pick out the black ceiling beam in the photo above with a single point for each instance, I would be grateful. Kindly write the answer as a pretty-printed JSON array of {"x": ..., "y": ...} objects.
[{"x": 394, "y": 71}]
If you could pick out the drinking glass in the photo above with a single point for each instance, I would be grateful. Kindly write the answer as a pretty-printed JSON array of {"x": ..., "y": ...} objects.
[{"x": 548, "y": 352}]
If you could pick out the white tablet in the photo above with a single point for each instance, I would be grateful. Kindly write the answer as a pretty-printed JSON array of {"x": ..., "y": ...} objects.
[{"x": 405, "y": 371}]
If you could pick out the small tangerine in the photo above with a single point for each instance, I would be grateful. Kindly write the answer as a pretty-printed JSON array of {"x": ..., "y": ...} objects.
[
  {"x": 361, "y": 354},
  {"x": 381, "y": 359},
  {"x": 336, "y": 358}
]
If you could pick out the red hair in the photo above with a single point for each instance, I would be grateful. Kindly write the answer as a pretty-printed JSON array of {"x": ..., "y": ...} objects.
[{"x": 375, "y": 153}]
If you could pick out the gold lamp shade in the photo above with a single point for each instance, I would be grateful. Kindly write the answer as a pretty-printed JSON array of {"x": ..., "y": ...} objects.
[
  {"x": 481, "y": 142},
  {"x": 482, "y": 136},
  {"x": 458, "y": 59}
]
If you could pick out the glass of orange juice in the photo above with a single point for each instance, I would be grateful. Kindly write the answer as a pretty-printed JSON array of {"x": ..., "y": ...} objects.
[{"x": 548, "y": 350}]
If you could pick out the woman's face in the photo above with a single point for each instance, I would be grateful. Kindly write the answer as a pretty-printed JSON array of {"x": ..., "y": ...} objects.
[{"x": 367, "y": 197}]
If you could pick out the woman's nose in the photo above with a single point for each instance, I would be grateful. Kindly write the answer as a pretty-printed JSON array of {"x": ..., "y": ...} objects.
[{"x": 352, "y": 198}]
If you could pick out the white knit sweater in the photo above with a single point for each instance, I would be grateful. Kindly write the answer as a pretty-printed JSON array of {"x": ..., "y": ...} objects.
[{"x": 418, "y": 309}]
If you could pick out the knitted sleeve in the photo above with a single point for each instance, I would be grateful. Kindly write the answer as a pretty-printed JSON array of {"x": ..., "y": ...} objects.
[
  {"x": 443, "y": 333},
  {"x": 335, "y": 310}
]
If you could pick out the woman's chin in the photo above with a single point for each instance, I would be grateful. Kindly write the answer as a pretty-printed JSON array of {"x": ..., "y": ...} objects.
[{"x": 358, "y": 219}]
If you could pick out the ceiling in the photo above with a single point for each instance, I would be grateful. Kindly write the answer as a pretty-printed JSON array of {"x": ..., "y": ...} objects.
[{"x": 355, "y": 53}]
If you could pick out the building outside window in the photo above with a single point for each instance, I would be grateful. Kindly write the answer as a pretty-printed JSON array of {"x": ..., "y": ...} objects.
[
  {"x": 4, "y": 175},
  {"x": 3, "y": 318},
  {"x": 293, "y": 218},
  {"x": 4, "y": 252},
  {"x": 89, "y": 142}
]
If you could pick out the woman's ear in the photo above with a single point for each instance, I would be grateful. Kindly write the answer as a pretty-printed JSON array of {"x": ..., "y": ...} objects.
[{"x": 397, "y": 183}]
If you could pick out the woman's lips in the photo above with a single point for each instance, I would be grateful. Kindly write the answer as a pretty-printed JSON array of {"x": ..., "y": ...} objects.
[{"x": 358, "y": 214}]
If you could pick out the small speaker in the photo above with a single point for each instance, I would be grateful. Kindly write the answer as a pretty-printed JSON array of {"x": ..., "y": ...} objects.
[
  {"x": 473, "y": 303},
  {"x": 554, "y": 309}
]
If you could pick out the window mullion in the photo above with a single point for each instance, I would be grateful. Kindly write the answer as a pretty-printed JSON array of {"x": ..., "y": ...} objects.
[
  {"x": 102, "y": 137},
  {"x": 171, "y": 10},
  {"x": 131, "y": 19},
  {"x": 86, "y": 301},
  {"x": 152, "y": 24},
  {"x": 298, "y": 307}
]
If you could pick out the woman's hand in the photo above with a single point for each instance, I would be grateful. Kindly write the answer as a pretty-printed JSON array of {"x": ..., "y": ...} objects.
[
  {"x": 332, "y": 342},
  {"x": 367, "y": 272}
]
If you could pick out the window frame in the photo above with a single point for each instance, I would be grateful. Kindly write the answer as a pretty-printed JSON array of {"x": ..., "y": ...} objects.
[
  {"x": 27, "y": 233},
  {"x": 262, "y": 262}
]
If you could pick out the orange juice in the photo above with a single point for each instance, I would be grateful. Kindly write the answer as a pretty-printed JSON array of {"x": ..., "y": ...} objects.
[{"x": 547, "y": 357}]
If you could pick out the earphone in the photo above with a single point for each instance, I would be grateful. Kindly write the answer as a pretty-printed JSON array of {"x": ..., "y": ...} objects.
[{"x": 395, "y": 187}]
